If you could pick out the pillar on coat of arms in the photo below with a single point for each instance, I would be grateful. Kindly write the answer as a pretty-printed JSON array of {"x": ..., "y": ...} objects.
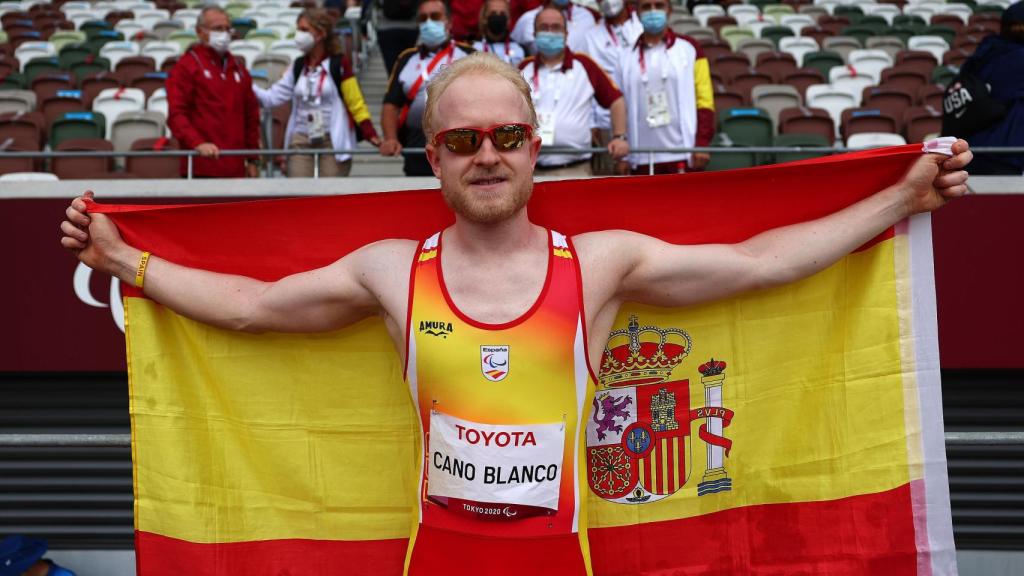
[{"x": 715, "y": 479}]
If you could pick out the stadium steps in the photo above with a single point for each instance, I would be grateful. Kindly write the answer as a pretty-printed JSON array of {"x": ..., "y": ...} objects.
[{"x": 373, "y": 81}]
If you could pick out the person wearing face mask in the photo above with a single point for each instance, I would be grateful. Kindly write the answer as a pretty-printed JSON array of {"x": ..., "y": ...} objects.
[
  {"x": 327, "y": 103},
  {"x": 401, "y": 117},
  {"x": 565, "y": 87},
  {"x": 579, "y": 19},
  {"x": 211, "y": 105},
  {"x": 669, "y": 99},
  {"x": 494, "y": 33},
  {"x": 616, "y": 32}
]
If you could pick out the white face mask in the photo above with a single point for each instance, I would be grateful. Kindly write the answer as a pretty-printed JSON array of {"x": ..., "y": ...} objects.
[
  {"x": 219, "y": 41},
  {"x": 304, "y": 40}
]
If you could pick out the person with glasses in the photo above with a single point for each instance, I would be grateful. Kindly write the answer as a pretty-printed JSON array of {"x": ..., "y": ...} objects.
[
  {"x": 579, "y": 19},
  {"x": 669, "y": 97},
  {"x": 566, "y": 87},
  {"x": 327, "y": 103},
  {"x": 401, "y": 118},
  {"x": 211, "y": 104},
  {"x": 494, "y": 32},
  {"x": 527, "y": 313}
]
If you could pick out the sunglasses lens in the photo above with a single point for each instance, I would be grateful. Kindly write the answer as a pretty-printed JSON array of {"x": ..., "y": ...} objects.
[
  {"x": 462, "y": 141},
  {"x": 509, "y": 137}
]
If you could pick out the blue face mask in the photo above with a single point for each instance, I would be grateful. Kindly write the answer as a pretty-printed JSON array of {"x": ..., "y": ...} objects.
[
  {"x": 432, "y": 33},
  {"x": 653, "y": 21},
  {"x": 550, "y": 43}
]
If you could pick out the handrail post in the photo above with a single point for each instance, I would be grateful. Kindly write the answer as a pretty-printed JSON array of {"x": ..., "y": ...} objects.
[
  {"x": 188, "y": 173},
  {"x": 316, "y": 165},
  {"x": 650, "y": 163}
]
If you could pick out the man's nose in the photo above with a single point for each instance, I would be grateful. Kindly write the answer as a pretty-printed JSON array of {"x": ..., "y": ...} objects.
[{"x": 487, "y": 154}]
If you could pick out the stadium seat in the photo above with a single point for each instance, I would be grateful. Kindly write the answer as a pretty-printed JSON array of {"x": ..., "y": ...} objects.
[
  {"x": 131, "y": 126},
  {"x": 751, "y": 47},
  {"x": 773, "y": 98},
  {"x": 886, "y": 11},
  {"x": 851, "y": 12},
  {"x": 930, "y": 95},
  {"x": 95, "y": 83},
  {"x": 851, "y": 80},
  {"x": 859, "y": 33},
  {"x": 284, "y": 28},
  {"x": 98, "y": 40},
  {"x": 796, "y": 22},
  {"x": 149, "y": 82},
  {"x": 842, "y": 45},
  {"x": 113, "y": 101},
  {"x": 743, "y": 11},
  {"x": 935, "y": 45},
  {"x": 29, "y": 50},
  {"x": 798, "y": 46},
  {"x": 961, "y": 11},
  {"x": 717, "y": 22},
  {"x": 816, "y": 33},
  {"x": 262, "y": 79},
  {"x": 699, "y": 33},
  {"x": 891, "y": 45},
  {"x": 802, "y": 140},
  {"x": 17, "y": 101},
  {"x": 858, "y": 120},
  {"x": 63, "y": 102},
  {"x": 164, "y": 28},
  {"x": 776, "y": 33},
  {"x": 833, "y": 23},
  {"x": 47, "y": 85},
  {"x": 679, "y": 23},
  {"x": 154, "y": 166},
  {"x": 921, "y": 123},
  {"x": 922, "y": 11},
  {"x": 778, "y": 65},
  {"x": 129, "y": 28},
  {"x": 874, "y": 140},
  {"x": 745, "y": 82},
  {"x": 870, "y": 61},
  {"x": 286, "y": 48},
  {"x": 713, "y": 49},
  {"x": 248, "y": 50},
  {"x": 131, "y": 67},
  {"x": 157, "y": 102},
  {"x": 9, "y": 165},
  {"x": 183, "y": 38},
  {"x": 77, "y": 125},
  {"x": 747, "y": 126},
  {"x": 277, "y": 64},
  {"x": 39, "y": 66},
  {"x": 943, "y": 75},
  {"x": 160, "y": 51},
  {"x": 802, "y": 78},
  {"x": 776, "y": 11},
  {"x": 702, "y": 12},
  {"x": 955, "y": 57},
  {"x": 116, "y": 51},
  {"x": 945, "y": 32},
  {"x": 889, "y": 99},
  {"x": 823, "y": 61},
  {"x": 919, "y": 60},
  {"x": 77, "y": 168},
  {"x": 728, "y": 66},
  {"x": 833, "y": 99},
  {"x": 726, "y": 99},
  {"x": 22, "y": 130},
  {"x": 727, "y": 160},
  {"x": 62, "y": 38}
]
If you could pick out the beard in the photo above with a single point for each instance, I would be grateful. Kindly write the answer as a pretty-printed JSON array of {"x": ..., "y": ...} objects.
[{"x": 488, "y": 209}]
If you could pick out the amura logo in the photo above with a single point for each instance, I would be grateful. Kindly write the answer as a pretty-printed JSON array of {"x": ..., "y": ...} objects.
[{"x": 442, "y": 329}]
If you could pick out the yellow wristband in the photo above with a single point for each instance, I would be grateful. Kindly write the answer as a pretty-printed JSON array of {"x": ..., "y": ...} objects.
[{"x": 140, "y": 272}]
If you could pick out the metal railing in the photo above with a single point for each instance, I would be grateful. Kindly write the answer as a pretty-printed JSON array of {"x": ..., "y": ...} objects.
[
  {"x": 316, "y": 153},
  {"x": 124, "y": 440}
]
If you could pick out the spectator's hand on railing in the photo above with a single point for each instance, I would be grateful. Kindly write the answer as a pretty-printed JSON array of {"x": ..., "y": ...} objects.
[
  {"x": 698, "y": 160},
  {"x": 621, "y": 168},
  {"x": 252, "y": 169},
  {"x": 376, "y": 141},
  {"x": 618, "y": 148},
  {"x": 390, "y": 148},
  {"x": 208, "y": 150}
]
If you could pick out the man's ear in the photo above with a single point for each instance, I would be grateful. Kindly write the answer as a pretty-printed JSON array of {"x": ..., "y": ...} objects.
[
  {"x": 432, "y": 157},
  {"x": 535, "y": 144}
]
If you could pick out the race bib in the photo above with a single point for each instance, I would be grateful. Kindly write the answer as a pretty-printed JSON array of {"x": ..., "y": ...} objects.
[
  {"x": 518, "y": 464},
  {"x": 546, "y": 128},
  {"x": 658, "y": 113}
]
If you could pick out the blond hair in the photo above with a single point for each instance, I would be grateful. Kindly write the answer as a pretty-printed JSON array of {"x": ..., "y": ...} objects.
[
  {"x": 479, "y": 63},
  {"x": 322, "y": 20}
]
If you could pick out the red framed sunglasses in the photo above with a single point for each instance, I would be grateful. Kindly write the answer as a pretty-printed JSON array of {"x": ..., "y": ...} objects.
[{"x": 505, "y": 137}]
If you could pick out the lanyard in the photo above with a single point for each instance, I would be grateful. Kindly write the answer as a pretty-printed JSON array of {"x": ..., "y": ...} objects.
[
  {"x": 643, "y": 66},
  {"x": 508, "y": 55},
  {"x": 611, "y": 33},
  {"x": 536, "y": 83},
  {"x": 320, "y": 86},
  {"x": 425, "y": 72}
]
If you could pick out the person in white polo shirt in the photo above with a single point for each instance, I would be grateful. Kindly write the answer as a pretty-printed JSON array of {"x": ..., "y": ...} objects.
[
  {"x": 670, "y": 101},
  {"x": 494, "y": 32},
  {"x": 604, "y": 43},
  {"x": 564, "y": 86},
  {"x": 579, "y": 19}
]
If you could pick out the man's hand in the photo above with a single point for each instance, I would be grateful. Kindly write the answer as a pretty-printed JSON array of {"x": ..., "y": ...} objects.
[
  {"x": 376, "y": 141},
  {"x": 208, "y": 150},
  {"x": 618, "y": 148},
  {"x": 252, "y": 170},
  {"x": 698, "y": 160},
  {"x": 390, "y": 148},
  {"x": 934, "y": 179},
  {"x": 94, "y": 239}
]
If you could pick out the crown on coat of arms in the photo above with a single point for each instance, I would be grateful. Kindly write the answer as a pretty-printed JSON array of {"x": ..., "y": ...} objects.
[
  {"x": 642, "y": 354},
  {"x": 711, "y": 368}
]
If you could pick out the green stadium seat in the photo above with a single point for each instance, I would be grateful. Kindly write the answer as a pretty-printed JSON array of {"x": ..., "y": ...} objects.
[
  {"x": 850, "y": 12},
  {"x": 823, "y": 61},
  {"x": 908, "y": 20},
  {"x": 75, "y": 125},
  {"x": 101, "y": 38},
  {"x": 861, "y": 33},
  {"x": 943, "y": 75},
  {"x": 747, "y": 126},
  {"x": 71, "y": 54},
  {"x": 13, "y": 81},
  {"x": 91, "y": 66},
  {"x": 38, "y": 66},
  {"x": 803, "y": 140},
  {"x": 947, "y": 33},
  {"x": 776, "y": 33},
  {"x": 92, "y": 26},
  {"x": 726, "y": 160}
]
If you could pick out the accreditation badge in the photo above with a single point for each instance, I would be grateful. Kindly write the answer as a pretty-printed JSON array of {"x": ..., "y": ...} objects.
[
  {"x": 517, "y": 465},
  {"x": 316, "y": 128},
  {"x": 658, "y": 112},
  {"x": 546, "y": 128}
]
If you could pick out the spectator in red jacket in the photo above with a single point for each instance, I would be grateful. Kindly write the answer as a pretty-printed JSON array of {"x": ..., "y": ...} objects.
[{"x": 211, "y": 103}]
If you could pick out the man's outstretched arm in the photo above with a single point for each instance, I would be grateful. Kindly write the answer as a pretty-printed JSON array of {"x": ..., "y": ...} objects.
[
  {"x": 647, "y": 270},
  {"x": 328, "y": 298}
]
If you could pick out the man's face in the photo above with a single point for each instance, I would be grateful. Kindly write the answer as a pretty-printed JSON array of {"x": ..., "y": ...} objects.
[
  {"x": 645, "y": 5},
  {"x": 212, "y": 22},
  {"x": 550, "y": 20},
  {"x": 432, "y": 11},
  {"x": 487, "y": 186}
]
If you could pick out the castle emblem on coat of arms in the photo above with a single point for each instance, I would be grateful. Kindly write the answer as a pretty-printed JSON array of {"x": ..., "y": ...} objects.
[{"x": 638, "y": 435}]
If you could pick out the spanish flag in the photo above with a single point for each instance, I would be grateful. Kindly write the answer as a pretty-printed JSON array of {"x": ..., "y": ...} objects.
[{"x": 796, "y": 430}]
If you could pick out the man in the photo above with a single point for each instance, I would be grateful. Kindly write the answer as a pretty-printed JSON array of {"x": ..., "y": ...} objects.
[
  {"x": 566, "y": 87},
  {"x": 494, "y": 32},
  {"x": 667, "y": 85},
  {"x": 604, "y": 43},
  {"x": 501, "y": 281},
  {"x": 579, "y": 20},
  {"x": 395, "y": 24},
  {"x": 401, "y": 119},
  {"x": 211, "y": 105}
]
